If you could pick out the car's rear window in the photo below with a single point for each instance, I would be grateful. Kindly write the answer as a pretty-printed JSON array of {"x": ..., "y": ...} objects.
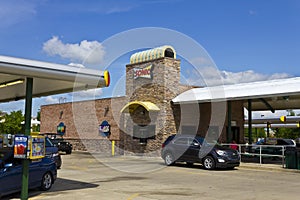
[{"x": 48, "y": 143}]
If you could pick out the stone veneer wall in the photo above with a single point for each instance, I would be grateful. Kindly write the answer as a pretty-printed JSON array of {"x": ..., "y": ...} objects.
[{"x": 160, "y": 90}]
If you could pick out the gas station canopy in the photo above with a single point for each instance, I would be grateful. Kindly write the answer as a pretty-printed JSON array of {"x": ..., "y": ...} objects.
[
  {"x": 280, "y": 94},
  {"x": 49, "y": 78},
  {"x": 22, "y": 78}
]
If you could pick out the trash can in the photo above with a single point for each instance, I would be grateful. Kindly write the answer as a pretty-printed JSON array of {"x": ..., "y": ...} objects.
[
  {"x": 298, "y": 158},
  {"x": 291, "y": 159}
]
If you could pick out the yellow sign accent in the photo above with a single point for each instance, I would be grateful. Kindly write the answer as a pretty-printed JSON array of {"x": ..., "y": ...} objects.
[
  {"x": 283, "y": 118},
  {"x": 131, "y": 106},
  {"x": 151, "y": 54},
  {"x": 106, "y": 78}
]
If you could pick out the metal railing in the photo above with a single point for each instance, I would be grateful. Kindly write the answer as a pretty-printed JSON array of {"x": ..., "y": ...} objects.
[{"x": 261, "y": 151}]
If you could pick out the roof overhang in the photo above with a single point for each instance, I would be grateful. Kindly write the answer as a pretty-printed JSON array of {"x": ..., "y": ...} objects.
[
  {"x": 278, "y": 94},
  {"x": 48, "y": 78},
  {"x": 131, "y": 106}
]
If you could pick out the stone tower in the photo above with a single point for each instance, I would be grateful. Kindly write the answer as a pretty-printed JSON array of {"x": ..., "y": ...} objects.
[{"x": 152, "y": 81}]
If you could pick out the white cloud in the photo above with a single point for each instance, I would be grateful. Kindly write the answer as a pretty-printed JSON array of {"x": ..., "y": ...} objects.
[
  {"x": 249, "y": 76},
  {"x": 119, "y": 9},
  {"x": 210, "y": 76},
  {"x": 86, "y": 94},
  {"x": 51, "y": 100},
  {"x": 90, "y": 52},
  {"x": 76, "y": 65}
]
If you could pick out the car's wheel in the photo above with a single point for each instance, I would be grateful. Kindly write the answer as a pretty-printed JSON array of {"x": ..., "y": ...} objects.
[
  {"x": 47, "y": 181},
  {"x": 209, "y": 162},
  {"x": 169, "y": 159},
  {"x": 68, "y": 151}
]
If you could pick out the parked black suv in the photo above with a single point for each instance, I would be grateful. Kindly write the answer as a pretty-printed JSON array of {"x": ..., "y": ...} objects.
[
  {"x": 194, "y": 149},
  {"x": 60, "y": 143},
  {"x": 63, "y": 145}
]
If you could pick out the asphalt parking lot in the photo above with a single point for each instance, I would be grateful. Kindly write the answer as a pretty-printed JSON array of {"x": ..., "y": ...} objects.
[{"x": 83, "y": 176}]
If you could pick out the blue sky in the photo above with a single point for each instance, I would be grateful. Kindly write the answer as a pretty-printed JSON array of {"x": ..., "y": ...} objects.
[{"x": 249, "y": 40}]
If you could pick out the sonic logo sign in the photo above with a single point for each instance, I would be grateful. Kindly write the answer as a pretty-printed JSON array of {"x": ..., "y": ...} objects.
[
  {"x": 104, "y": 129},
  {"x": 145, "y": 72}
]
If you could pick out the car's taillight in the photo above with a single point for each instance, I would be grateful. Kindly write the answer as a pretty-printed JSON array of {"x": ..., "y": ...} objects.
[{"x": 163, "y": 145}]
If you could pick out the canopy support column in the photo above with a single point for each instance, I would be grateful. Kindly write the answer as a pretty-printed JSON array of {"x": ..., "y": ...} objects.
[
  {"x": 25, "y": 163},
  {"x": 250, "y": 120},
  {"x": 229, "y": 118}
]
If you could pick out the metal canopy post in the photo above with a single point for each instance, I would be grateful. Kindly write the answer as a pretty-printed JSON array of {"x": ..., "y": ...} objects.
[
  {"x": 229, "y": 118},
  {"x": 25, "y": 163},
  {"x": 250, "y": 120}
]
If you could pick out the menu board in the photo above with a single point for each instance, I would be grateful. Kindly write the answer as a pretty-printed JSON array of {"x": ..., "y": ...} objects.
[
  {"x": 37, "y": 147},
  {"x": 20, "y": 146},
  {"x": 29, "y": 147}
]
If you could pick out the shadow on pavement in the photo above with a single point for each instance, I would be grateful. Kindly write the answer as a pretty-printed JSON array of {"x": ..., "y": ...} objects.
[
  {"x": 121, "y": 178},
  {"x": 199, "y": 166},
  {"x": 59, "y": 185}
]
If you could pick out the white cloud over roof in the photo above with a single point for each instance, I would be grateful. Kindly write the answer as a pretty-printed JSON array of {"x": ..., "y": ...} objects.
[
  {"x": 212, "y": 76},
  {"x": 89, "y": 52}
]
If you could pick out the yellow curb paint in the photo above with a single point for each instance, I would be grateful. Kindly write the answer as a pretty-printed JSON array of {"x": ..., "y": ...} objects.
[{"x": 133, "y": 196}]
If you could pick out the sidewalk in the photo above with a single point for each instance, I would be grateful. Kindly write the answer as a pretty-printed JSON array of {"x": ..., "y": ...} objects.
[
  {"x": 267, "y": 167},
  {"x": 158, "y": 161}
]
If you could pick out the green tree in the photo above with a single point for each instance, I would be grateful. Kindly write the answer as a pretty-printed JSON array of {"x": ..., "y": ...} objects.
[
  {"x": 11, "y": 123},
  {"x": 36, "y": 128},
  {"x": 38, "y": 115},
  {"x": 291, "y": 133},
  {"x": 291, "y": 112}
]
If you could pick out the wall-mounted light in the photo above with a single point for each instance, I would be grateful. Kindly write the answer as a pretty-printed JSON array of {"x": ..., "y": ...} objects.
[
  {"x": 143, "y": 112},
  {"x": 286, "y": 98},
  {"x": 61, "y": 114},
  {"x": 10, "y": 83},
  {"x": 106, "y": 109}
]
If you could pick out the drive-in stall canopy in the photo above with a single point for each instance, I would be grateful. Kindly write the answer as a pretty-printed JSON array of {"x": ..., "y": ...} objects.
[
  {"x": 49, "y": 78},
  {"x": 25, "y": 79}
]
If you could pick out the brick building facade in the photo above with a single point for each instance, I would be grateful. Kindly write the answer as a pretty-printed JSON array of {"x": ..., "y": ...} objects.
[{"x": 146, "y": 116}]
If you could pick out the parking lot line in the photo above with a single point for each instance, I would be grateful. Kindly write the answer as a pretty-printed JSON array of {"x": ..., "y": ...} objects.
[
  {"x": 41, "y": 196},
  {"x": 77, "y": 168},
  {"x": 133, "y": 196}
]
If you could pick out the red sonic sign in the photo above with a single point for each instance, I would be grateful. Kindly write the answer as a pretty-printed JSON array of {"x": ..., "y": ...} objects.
[{"x": 145, "y": 72}]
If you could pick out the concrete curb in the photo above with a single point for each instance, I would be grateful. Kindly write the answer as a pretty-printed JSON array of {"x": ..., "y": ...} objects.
[{"x": 267, "y": 167}]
